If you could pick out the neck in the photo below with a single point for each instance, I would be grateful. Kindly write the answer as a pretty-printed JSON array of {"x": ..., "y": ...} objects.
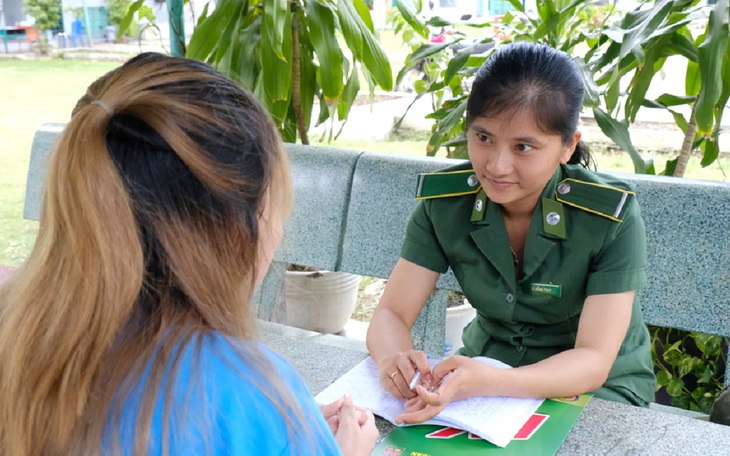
[{"x": 519, "y": 210}]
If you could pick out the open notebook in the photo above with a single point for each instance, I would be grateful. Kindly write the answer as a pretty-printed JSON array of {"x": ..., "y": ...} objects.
[{"x": 495, "y": 419}]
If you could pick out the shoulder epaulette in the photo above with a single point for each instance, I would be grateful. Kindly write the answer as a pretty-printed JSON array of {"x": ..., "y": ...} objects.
[
  {"x": 446, "y": 184},
  {"x": 600, "y": 199}
]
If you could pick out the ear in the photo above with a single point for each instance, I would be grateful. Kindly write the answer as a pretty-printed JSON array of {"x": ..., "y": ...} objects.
[{"x": 570, "y": 148}]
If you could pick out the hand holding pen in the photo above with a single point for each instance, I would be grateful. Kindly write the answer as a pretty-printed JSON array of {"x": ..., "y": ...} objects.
[{"x": 398, "y": 371}]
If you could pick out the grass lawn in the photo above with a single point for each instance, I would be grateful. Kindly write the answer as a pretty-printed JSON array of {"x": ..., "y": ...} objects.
[
  {"x": 39, "y": 91},
  {"x": 33, "y": 92}
]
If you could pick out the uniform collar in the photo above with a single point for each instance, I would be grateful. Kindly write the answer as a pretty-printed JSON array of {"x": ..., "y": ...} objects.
[
  {"x": 489, "y": 231},
  {"x": 552, "y": 218}
]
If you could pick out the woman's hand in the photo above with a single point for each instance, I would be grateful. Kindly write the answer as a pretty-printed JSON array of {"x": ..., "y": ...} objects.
[
  {"x": 331, "y": 413},
  {"x": 397, "y": 372},
  {"x": 355, "y": 431},
  {"x": 454, "y": 379}
]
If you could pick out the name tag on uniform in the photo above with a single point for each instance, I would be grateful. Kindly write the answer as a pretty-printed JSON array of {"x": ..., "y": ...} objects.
[{"x": 543, "y": 289}]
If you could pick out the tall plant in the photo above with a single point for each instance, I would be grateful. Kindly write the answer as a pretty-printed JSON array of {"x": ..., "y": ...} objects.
[
  {"x": 637, "y": 49},
  {"x": 290, "y": 53},
  {"x": 564, "y": 24}
]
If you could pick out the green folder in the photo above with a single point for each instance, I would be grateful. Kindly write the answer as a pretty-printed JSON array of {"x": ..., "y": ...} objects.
[{"x": 542, "y": 435}]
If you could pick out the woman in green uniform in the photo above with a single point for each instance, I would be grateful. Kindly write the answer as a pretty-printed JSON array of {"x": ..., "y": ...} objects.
[{"x": 548, "y": 252}]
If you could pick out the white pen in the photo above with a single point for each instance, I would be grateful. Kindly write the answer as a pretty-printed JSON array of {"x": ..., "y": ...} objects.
[{"x": 414, "y": 380}]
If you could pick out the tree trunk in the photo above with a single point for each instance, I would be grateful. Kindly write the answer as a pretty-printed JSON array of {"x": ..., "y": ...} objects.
[
  {"x": 689, "y": 138},
  {"x": 296, "y": 95}
]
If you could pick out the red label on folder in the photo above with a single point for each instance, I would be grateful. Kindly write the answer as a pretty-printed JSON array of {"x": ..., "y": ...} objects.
[
  {"x": 445, "y": 433},
  {"x": 532, "y": 425}
]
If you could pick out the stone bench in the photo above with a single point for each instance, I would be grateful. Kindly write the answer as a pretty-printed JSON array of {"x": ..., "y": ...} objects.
[{"x": 351, "y": 209}]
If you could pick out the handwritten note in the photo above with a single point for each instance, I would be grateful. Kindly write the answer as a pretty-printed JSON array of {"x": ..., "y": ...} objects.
[{"x": 496, "y": 419}]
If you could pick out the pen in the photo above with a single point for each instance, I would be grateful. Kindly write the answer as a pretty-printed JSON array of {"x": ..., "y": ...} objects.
[
  {"x": 417, "y": 377},
  {"x": 414, "y": 380}
]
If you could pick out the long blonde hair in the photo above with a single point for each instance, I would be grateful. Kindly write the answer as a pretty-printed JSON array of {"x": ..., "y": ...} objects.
[{"x": 148, "y": 238}]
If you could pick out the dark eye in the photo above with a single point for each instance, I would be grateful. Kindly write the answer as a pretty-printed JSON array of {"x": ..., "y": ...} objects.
[
  {"x": 481, "y": 137},
  {"x": 524, "y": 147}
]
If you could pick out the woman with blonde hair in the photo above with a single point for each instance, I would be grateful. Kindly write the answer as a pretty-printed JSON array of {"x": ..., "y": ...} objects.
[{"x": 128, "y": 330}]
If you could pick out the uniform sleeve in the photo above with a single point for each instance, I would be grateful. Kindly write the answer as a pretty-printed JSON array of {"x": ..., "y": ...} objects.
[
  {"x": 620, "y": 265},
  {"x": 421, "y": 246}
]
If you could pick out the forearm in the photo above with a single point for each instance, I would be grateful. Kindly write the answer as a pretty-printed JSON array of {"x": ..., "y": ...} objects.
[
  {"x": 568, "y": 373},
  {"x": 388, "y": 334}
]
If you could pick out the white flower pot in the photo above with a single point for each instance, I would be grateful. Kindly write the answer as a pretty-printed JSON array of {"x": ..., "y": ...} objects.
[
  {"x": 321, "y": 301},
  {"x": 457, "y": 318}
]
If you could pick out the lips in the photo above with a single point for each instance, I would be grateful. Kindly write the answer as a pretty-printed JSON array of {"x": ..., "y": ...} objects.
[{"x": 499, "y": 184}]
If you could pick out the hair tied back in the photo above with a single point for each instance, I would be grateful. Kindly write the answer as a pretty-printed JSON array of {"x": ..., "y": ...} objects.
[{"x": 105, "y": 107}]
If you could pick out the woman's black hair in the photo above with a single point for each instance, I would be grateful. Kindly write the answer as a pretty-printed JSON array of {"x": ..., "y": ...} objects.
[{"x": 535, "y": 77}]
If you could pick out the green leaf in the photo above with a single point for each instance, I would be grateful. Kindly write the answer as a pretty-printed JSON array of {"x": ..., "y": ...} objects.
[
  {"x": 409, "y": 10},
  {"x": 349, "y": 19},
  {"x": 675, "y": 387},
  {"x": 517, "y": 5},
  {"x": 324, "y": 41},
  {"x": 209, "y": 31},
  {"x": 276, "y": 73},
  {"x": 705, "y": 403},
  {"x": 640, "y": 85},
  {"x": 711, "y": 152},
  {"x": 636, "y": 37},
  {"x": 668, "y": 99},
  {"x": 452, "y": 119},
  {"x": 276, "y": 23},
  {"x": 590, "y": 95},
  {"x": 670, "y": 167},
  {"x": 307, "y": 80},
  {"x": 618, "y": 132},
  {"x": 128, "y": 17},
  {"x": 679, "y": 120},
  {"x": 681, "y": 43},
  {"x": 663, "y": 378},
  {"x": 203, "y": 15},
  {"x": 364, "y": 12},
  {"x": 673, "y": 353},
  {"x": 457, "y": 63},
  {"x": 712, "y": 51},
  {"x": 649, "y": 166},
  {"x": 227, "y": 53},
  {"x": 686, "y": 365},
  {"x": 349, "y": 94},
  {"x": 706, "y": 376},
  {"x": 377, "y": 63}
]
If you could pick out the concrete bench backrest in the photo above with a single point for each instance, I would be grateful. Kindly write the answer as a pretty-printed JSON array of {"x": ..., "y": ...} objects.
[{"x": 351, "y": 210}]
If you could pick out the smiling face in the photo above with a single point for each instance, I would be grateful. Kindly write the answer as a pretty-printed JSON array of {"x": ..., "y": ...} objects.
[{"x": 514, "y": 158}]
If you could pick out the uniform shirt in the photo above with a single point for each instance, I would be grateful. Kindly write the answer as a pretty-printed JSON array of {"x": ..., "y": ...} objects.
[
  {"x": 217, "y": 410},
  {"x": 570, "y": 253}
]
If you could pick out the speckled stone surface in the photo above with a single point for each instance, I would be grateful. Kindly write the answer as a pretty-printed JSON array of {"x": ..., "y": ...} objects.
[
  {"x": 383, "y": 197},
  {"x": 322, "y": 178},
  {"x": 351, "y": 209},
  {"x": 43, "y": 140},
  {"x": 604, "y": 428},
  {"x": 688, "y": 253}
]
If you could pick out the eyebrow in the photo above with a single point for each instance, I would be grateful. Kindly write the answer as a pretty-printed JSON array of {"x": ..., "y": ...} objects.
[{"x": 526, "y": 139}]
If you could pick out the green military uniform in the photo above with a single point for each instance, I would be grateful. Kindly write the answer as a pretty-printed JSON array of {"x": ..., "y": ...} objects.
[{"x": 586, "y": 238}]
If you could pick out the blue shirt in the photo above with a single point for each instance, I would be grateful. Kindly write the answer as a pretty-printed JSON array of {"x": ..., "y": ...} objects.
[{"x": 223, "y": 405}]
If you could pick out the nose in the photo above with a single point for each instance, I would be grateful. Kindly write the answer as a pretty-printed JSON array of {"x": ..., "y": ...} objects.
[{"x": 499, "y": 162}]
